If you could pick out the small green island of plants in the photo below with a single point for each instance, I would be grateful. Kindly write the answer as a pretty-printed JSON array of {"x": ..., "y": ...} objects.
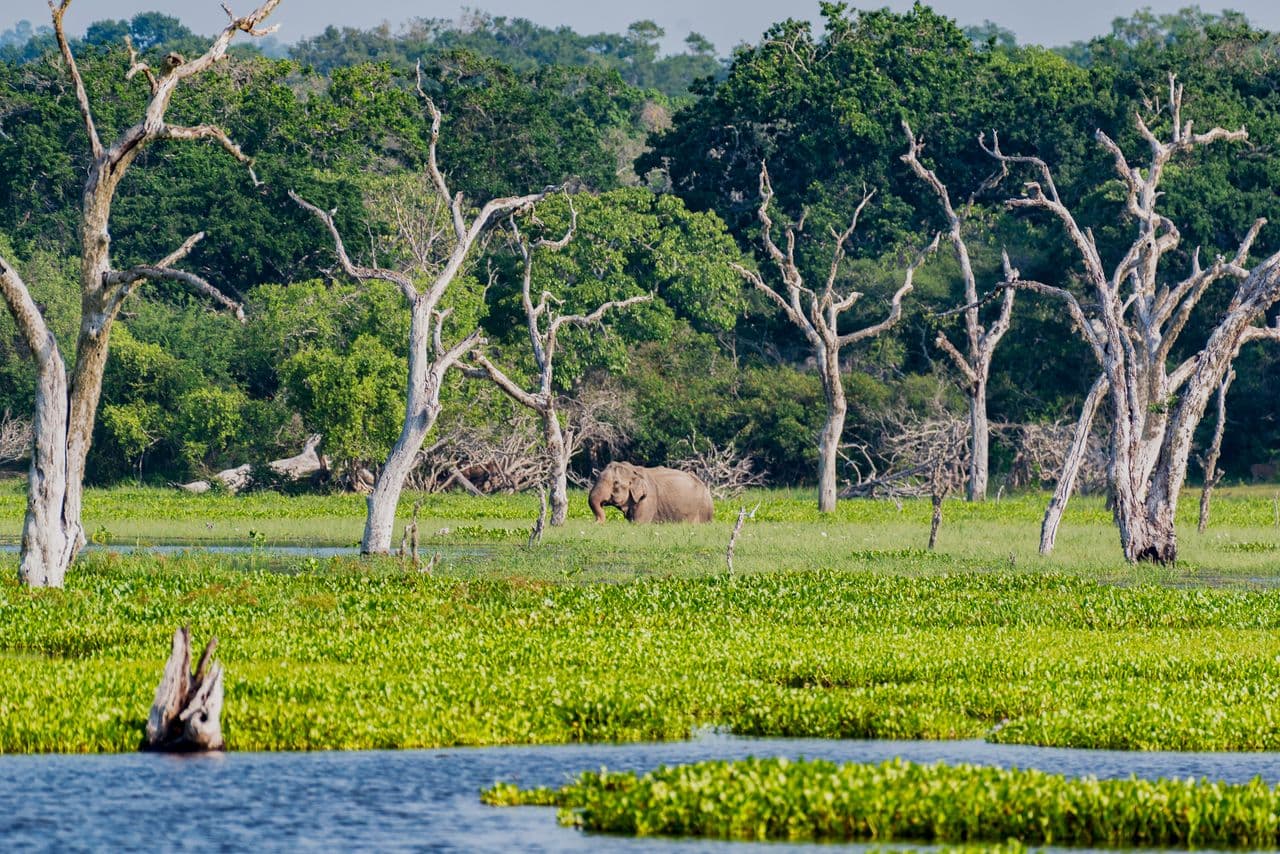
[{"x": 778, "y": 799}]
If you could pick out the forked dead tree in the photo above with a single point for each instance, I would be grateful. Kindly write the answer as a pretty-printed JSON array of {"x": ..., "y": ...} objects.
[
  {"x": 429, "y": 359},
  {"x": 544, "y": 326},
  {"x": 1134, "y": 319},
  {"x": 817, "y": 314},
  {"x": 980, "y": 340},
  {"x": 66, "y": 403}
]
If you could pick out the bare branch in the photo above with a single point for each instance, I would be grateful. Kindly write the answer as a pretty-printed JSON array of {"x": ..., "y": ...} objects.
[
  {"x": 26, "y": 314},
  {"x": 215, "y": 133},
  {"x": 137, "y": 66},
  {"x": 895, "y": 305},
  {"x": 961, "y": 363},
  {"x": 128, "y": 280},
  {"x": 125, "y": 282},
  {"x": 433, "y": 166},
  {"x": 352, "y": 269},
  {"x": 82, "y": 96}
]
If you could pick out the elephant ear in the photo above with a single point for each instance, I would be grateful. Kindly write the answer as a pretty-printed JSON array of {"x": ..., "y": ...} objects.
[{"x": 639, "y": 489}]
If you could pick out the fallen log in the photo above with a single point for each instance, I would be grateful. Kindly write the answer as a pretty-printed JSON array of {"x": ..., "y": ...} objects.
[
  {"x": 187, "y": 712},
  {"x": 303, "y": 464},
  {"x": 300, "y": 466}
]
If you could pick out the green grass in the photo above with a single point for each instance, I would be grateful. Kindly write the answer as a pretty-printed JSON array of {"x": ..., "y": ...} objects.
[
  {"x": 777, "y": 799},
  {"x": 787, "y": 534},
  {"x": 839, "y": 627}
]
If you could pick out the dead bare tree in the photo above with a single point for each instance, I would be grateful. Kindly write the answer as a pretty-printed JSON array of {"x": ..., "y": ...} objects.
[
  {"x": 15, "y": 438},
  {"x": 544, "y": 326},
  {"x": 429, "y": 359},
  {"x": 1209, "y": 462},
  {"x": 66, "y": 404},
  {"x": 817, "y": 315},
  {"x": 1136, "y": 317},
  {"x": 981, "y": 341}
]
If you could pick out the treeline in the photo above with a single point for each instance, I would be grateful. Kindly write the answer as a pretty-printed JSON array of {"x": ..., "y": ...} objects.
[{"x": 662, "y": 155}]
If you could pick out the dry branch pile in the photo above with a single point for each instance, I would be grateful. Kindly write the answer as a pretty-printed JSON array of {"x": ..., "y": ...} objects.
[
  {"x": 1040, "y": 451},
  {"x": 15, "y": 438},
  {"x": 725, "y": 471}
]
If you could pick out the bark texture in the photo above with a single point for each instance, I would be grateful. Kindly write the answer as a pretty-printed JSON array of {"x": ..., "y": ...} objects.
[
  {"x": 1209, "y": 462},
  {"x": 429, "y": 360},
  {"x": 544, "y": 327},
  {"x": 1132, "y": 318},
  {"x": 974, "y": 364},
  {"x": 67, "y": 402},
  {"x": 817, "y": 314}
]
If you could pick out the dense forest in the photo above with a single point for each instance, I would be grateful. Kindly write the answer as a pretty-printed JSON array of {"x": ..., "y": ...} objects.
[{"x": 661, "y": 157}]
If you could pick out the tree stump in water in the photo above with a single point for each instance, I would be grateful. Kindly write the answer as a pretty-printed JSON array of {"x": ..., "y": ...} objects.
[{"x": 186, "y": 715}]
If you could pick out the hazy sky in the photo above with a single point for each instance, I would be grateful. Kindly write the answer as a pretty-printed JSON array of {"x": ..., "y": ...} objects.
[{"x": 725, "y": 22}]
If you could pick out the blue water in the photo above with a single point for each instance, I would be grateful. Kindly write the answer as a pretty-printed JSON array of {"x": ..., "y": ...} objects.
[{"x": 428, "y": 799}]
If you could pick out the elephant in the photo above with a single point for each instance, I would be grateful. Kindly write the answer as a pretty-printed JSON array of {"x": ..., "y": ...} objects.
[{"x": 656, "y": 494}]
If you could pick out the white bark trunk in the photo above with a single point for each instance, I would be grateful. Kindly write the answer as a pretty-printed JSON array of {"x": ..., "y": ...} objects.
[
  {"x": 422, "y": 408},
  {"x": 832, "y": 431},
  {"x": 558, "y": 451},
  {"x": 51, "y": 535},
  {"x": 979, "y": 443},
  {"x": 1071, "y": 465}
]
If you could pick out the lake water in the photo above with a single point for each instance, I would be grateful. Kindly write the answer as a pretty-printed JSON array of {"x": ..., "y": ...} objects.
[{"x": 428, "y": 799}]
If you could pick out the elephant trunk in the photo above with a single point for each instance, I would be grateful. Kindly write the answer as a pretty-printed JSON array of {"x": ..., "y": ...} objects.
[{"x": 596, "y": 501}]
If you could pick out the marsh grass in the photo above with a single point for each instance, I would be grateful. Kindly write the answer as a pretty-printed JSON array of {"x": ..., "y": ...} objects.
[
  {"x": 840, "y": 627},
  {"x": 353, "y": 654}
]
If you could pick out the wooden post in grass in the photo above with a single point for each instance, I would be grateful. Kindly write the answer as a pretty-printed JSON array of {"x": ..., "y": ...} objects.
[
  {"x": 743, "y": 516},
  {"x": 187, "y": 712}
]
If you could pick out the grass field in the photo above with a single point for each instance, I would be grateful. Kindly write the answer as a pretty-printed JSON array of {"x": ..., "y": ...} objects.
[
  {"x": 1243, "y": 542},
  {"x": 838, "y": 627}
]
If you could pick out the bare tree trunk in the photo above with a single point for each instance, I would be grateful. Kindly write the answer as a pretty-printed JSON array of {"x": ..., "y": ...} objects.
[
  {"x": 832, "y": 431},
  {"x": 1071, "y": 466},
  {"x": 422, "y": 408},
  {"x": 935, "y": 521},
  {"x": 975, "y": 366},
  {"x": 558, "y": 452},
  {"x": 51, "y": 535},
  {"x": 1209, "y": 462},
  {"x": 980, "y": 443},
  {"x": 1146, "y": 529}
]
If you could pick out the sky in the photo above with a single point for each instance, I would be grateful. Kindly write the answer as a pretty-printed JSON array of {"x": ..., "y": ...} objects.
[{"x": 724, "y": 22}]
